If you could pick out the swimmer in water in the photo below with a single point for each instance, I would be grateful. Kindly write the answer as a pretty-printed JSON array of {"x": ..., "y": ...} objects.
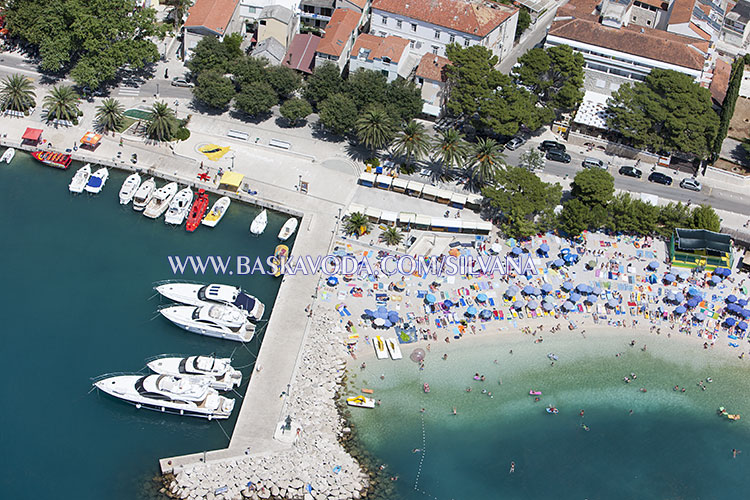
[
  {"x": 585, "y": 427},
  {"x": 581, "y": 413},
  {"x": 454, "y": 411},
  {"x": 416, "y": 450},
  {"x": 512, "y": 468}
]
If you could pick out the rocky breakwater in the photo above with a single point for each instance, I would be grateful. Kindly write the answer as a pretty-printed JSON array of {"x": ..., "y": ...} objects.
[{"x": 315, "y": 466}]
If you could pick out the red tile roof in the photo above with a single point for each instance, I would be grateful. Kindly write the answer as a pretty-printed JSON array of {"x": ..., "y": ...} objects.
[
  {"x": 644, "y": 42},
  {"x": 720, "y": 81},
  {"x": 359, "y": 3},
  {"x": 682, "y": 11},
  {"x": 212, "y": 14},
  {"x": 431, "y": 67},
  {"x": 338, "y": 31},
  {"x": 471, "y": 17},
  {"x": 391, "y": 46},
  {"x": 658, "y": 4},
  {"x": 301, "y": 53}
]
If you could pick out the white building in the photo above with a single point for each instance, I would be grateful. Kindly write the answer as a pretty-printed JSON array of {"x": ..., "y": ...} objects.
[
  {"x": 336, "y": 44},
  {"x": 387, "y": 55},
  {"x": 430, "y": 25},
  {"x": 430, "y": 77}
]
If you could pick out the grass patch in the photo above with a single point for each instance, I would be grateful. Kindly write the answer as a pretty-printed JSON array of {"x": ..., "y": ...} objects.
[
  {"x": 138, "y": 114},
  {"x": 126, "y": 123}
]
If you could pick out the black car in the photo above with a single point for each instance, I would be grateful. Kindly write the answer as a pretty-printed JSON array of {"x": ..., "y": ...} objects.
[
  {"x": 630, "y": 172},
  {"x": 660, "y": 178},
  {"x": 558, "y": 155},
  {"x": 550, "y": 145}
]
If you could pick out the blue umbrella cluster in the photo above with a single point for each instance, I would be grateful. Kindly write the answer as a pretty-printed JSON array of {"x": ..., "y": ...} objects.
[
  {"x": 389, "y": 318},
  {"x": 722, "y": 272}
]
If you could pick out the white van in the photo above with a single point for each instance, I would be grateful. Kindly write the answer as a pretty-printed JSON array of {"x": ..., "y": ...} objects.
[{"x": 590, "y": 162}]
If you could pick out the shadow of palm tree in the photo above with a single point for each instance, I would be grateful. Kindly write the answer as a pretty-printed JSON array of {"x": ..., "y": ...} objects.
[
  {"x": 321, "y": 133},
  {"x": 357, "y": 152}
]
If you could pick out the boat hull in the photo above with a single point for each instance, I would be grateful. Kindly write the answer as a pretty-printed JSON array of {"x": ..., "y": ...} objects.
[
  {"x": 56, "y": 160},
  {"x": 244, "y": 334}
]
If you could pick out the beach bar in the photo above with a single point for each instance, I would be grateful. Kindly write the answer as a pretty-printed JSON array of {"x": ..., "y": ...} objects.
[
  {"x": 444, "y": 196},
  {"x": 32, "y": 135},
  {"x": 414, "y": 188},
  {"x": 383, "y": 181},
  {"x": 373, "y": 214},
  {"x": 458, "y": 200},
  {"x": 388, "y": 218},
  {"x": 367, "y": 179},
  {"x": 399, "y": 185},
  {"x": 429, "y": 192}
]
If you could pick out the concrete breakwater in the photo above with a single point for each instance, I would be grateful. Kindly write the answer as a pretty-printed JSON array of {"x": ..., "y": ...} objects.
[{"x": 315, "y": 466}]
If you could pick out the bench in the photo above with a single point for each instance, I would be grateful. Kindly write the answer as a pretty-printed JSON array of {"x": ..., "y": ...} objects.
[
  {"x": 279, "y": 144},
  {"x": 236, "y": 134}
]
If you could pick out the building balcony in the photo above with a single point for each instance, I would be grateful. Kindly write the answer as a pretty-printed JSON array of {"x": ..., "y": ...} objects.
[{"x": 313, "y": 16}]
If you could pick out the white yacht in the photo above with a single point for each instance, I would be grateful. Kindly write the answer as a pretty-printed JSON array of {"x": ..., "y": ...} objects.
[
  {"x": 288, "y": 229},
  {"x": 97, "y": 180},
  {"x": 80, "y": 179},
  {"x": 192, "y": 396},
  {"x": 221, "y": 321},
  {"x": 129, "y": 187},
  {"x": 216, "y": 213},
  {"x": 198, "y": 294},
  {"x": 179, "y": 207},
  {"x": 8, "y": 155},
  {"x": 143, "y": 194},
  {"x": 223, "y": 377},
  {"x": 259, "y": 223},
  {"x": 159, "y": 202}
]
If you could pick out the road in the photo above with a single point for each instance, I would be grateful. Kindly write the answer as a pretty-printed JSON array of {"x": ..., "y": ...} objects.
[{"x": 533, "y": 36}]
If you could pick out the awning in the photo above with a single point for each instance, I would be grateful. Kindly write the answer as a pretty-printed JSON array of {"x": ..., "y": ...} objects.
[
  {"x": 407, "y": 218},
  {"x": 91, "y": 138},
  {"x": 372, "y": 213},
  {"x": 400, "y": 184},
  {"x": 355, "y": 208},
  {"x": 386, "y": 216},
  {"x": 383, "y": 181},
  {"x": 231, "y": 181},
  {"x": 32, "y": 134},
  {"x": 366, "y": 178},
  {"x": 429, "y": 191},
  {"x": 423, "y": 220},
  {"x": 415, "y": 187}
]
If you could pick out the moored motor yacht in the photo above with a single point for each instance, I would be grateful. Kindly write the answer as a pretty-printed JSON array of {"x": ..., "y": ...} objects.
[
  {"x": 259, "y": 223},
  {"x": 97, "y": 180},
  {"x": 192, "y": 396},
  {"x": 223, "y": 376},
  {"x": 79, "y": 180},
  {"x": 288, "y": 229},
  {"x": 217, "y": 212},
  {"x": 159, "y": 202},
  {"x": 198, "y": 294},
  {"x": 219, "y": 320},
  {"x": 179, "y": 206},
  {"x": 129, "y": 187},
  {"x": 143, "y": 194}
]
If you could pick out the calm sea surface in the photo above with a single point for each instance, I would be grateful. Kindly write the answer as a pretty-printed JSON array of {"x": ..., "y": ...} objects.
[{"x": 77, "y": 302}]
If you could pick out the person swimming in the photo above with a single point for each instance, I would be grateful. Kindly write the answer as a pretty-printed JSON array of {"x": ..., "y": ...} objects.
[
  {"x": 581, "y": 413},
  {"x": 585, "y": 427},
  {"x": 512, "y": 468}
]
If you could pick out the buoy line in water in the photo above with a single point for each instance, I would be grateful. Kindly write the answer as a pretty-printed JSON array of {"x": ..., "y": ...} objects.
[{"x": 422, "y": 454}]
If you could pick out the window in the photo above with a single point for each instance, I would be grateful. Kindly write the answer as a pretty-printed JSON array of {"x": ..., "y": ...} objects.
[
  {"x": 452, "y": 38},
  {"x": 384, "y": 20},
  {"x": 385, "y": 72},
  {"x": 411, "y": 44},
  {"x": 437, "y": 35},
  {"x": 435, "y": 49},
  {"x": 326, "y": 11},
  {"x": 466, "y": 42},
  {"x": 634, "y": 19},
  {"x": 413, "y": 27},
  {"x": 306, "y": 8},
  {"x": 648, "y": 23},
  {"x": 387, "y": 60},
  {"x": 398, "y": 23}
]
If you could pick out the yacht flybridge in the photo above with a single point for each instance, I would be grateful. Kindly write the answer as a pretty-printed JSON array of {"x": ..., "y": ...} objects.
[
  {"x": 221, "y": 321},
  {"x": 197, "y": 294},
  {"x": 219, "y": 370}
]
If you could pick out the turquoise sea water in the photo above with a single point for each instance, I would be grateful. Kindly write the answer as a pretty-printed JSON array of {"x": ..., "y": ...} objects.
[
  {"x": 77, "y": 302},
  {"x": 674, "y": 445}
]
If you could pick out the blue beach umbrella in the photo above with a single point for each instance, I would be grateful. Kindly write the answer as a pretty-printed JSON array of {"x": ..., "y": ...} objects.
[
  {"x": 519, "y": 304},
  {"x": 369, "y": 313},
  {"x": 511, "y": 291},
  {"x": 568, "y": 305},
  {"x": 471, "y": 311},
  {"x": 571, "y": 258},
  {"x": 680, "y": 310},
  {"x": 558, "y": 263},
  {"x": 582, "y": 288},
  {"x": 742, "y": 325},
  {"x": 612, "y": 303},
  {"x": 731, "y": 299},
  {"x": 564, "y": 251},
  {"x": 699, "y": 316},
  {"x": 529, "y": 290},
  {"x": 692, "y": 302},
  {"x": 544, "y": 247},
  {"x": 591, "y": 298},
  {"x": 742, "y": 302},
  {"x": 596, "y": 291},
  {"x": 332, "y": 281},
  {"x": 669, "y": 297},
  {"x": 694, "y": 292},
  {"x": 653, "y": 265},
  {"x": 714, "y": 280},
  {"x": 393, "y": 316},
  {"x": 575, "y": 297},
  {"x": 547, "y": 288},
  {"x": 533, "y": 304},
  {"x": 485, "y": 314},
  {"x": 745, "y": 313},
  {"x": 430, "y": 298},
  {"x": 730, "y": 321},
  {"x": 733, "y": 308},
  {"x": 448, "y": 303},
  {"x": 516, "y": 251},
  {"x": 679, "y": 297},
  {"x": 669, "y": 277},
  {"x": 567, "y": 285},
  {"x": 548, "y": 306},
  {"x": 481, "y": 298},
  {"x": 388, "y": 324}
]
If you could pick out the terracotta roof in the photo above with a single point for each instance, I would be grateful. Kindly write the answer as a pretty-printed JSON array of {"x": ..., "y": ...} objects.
[
  {"x": 472, "y": 17},
  {"x": 431, "y": 67},
  {"x": 580, "y": 9},
  {"x": 659, "y": 4},
  {"x": 720, "y": 81},
  {"x": 391, "y": 46},
  {"x": 682, "y": 11},
  {"x": 301, "y": 53},
  {"x": 338, "y": 31},
  {"x": 368, "y": 42},
  {"x": 212, "y": 14},
  {"x": 644, "y": 42},
  {"x": 699, "y": 31},
  {"x": 359, "y": 3}
]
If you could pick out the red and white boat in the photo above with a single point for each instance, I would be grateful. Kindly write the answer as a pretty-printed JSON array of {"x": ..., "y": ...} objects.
[
  {"x": 197, "y": 211},
  {"x": 57, "y": 160}
]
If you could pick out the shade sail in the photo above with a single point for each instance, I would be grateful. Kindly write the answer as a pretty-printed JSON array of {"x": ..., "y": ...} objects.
[
  {"x": 231, "y": 180},
  {"x": 32, "y": 134},
  {"x": 91, "y": 138}
]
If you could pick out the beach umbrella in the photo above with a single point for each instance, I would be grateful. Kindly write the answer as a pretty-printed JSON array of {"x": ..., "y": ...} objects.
[
  {"x": 516, "y": 251},
  {"x": 533, "y": 304},
  {"x": 653, "y": 265},
  {"x": 417, "y": 355},
  {"x": 742, "y": 302},
  {"x": 731, "y": 299},
  {"x": 388, "y": 323},
  {"x": 481, "y": 298},
  {"x": 699, "y": 316},
  {"x": 393, "y": 317},
  {"x": 511, "y": 291},
  {"x": 582, "y": 288},
  {"x": 496, "y": 248},
  {"x": 669, "y": 297},
  {"x": 448, "y": 303},
  {"x": 564, "y": 251},
  {"x": 591, "y": 264},
  {"x": 683, "y": 275},
  {"x": 575, "y": 297},
  {"x": 733, "y": 308},
  {"x": 547, "y": 288},
  {"x": 596, "y": 291},
  {"x": 511, "y": 242},
  {"x": 679, "y": 297},
  {"x": 714, "y": 280},
  {"x": 369, "y": 312},
  {"x": 379, "y": 322},
  {"x": 694, "y": 292},
  {"x": 485, "y": 314},
  {"x": 680, "y": 310},
  {"x": 530, "y": 290},
  {"x": 745, "y": 313},
  {"x": 548, "y": 306},
  {"x": 692, "y": 302},
  {"x": 544, "y": 247},
  {"x": 730, "y": 321},
  {"x": 571, "y": 257},
  {"x": 722, "y": 271},
  {"x": 591, "y": 299},
  {"x": 471, "y": 311},
  {"x": 567, "y": 305},
  {"x": 430, "y": 298},
  {"x": 567, "y": 285},
  {"x": 558, "y": 263},
  {"x": 519, "y": 304},
  {"x": 612, "y": 303},
  {"x": 332, "y": 281},
  {"x": 742, "y": 325},
  {"x": 669, "y": 277}
]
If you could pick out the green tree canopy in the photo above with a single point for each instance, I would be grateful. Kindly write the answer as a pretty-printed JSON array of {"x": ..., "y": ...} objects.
[
  {"x": 391, "y": 236},
  {"x": 411, "y": 142},
  {"x": 375, "y": 128},
  {"x": 574, "y": 217},
  {"x": 163, "y": 123},
  {"x": 212, "y": 54},
  {"x": 366, "y": 87},
  {"x": 484, "y": 163},
  {"x": 17, "y": 93},
  {"x": 248, "y": 69},
  {"x": 338, "y": 114},
  {"x": 323, "y": 83},
  {"x": 593, "y": 186},
  {"x": 295, "y": 110},
  {"x": 256, "y": 98},
  {"x": 284, "y": 80},
  {"x": 671, "y": 216},
  {"x": 92, "y": 39},
  {"x": 522, "y": 202},
  {"x": 667, "y": 112},
  {"x": 554, "y": 74},
  {"x": 214, "y": 89},
  {"x": 403, "y": 100},
  {"x": 451, "y": 151},
  {"x": 705, "y": 217},
  {"x": 631, "y": 215},
  {"x": 61, "y": 104},
  {"x": 110, "y": 115},
  {"x": 357, "y": 223}
]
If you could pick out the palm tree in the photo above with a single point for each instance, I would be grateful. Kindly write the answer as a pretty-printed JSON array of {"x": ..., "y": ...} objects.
[
  {"x": 391, "y": 236},
  {"x": 358, "y": 224},
  {"x": 375, "y": 128},
  {"x": 109, "y": 115},
  {"x": 61, "y": 104},
  {"x": 412, "y": 142},
  {"x": 17, "y": 93},
  {"x": 451, "y": 152},
  {"x": 163, "y": 123},
  {"x": 486, "y": 159}
]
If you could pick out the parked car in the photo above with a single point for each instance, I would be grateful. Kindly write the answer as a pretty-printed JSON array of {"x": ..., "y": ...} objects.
[
  {"x": 515, "y": 143},
  {"x": 551, "y": 145},
  {"x": 630, "y": 172},
  {"x": 181, "y": 81},
  {"x": 660, "y": 178},
  {"x": 558, "y": 155},
  {"x": 590, "y": 162},
  {"x": 691, "y": 184}
]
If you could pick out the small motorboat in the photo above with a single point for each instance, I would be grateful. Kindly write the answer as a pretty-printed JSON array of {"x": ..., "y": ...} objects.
[
  {"x": 8, "y": 155},
  {"x": 197, "y": 211},
  {"x": 259, "y": 223},
  {"x": 380, "y": 350},
  {"x": 552, "y": 410},
  {"x": 160, "y": 201},
  {"x": 361, "y": 402},
  {"x": 97, "y": 180},
  {"x": 80, "y": 179},
  {"x": 288, "y": 229},
  {"x": 532, "y": 392},
  {"x": 217, "y": 212},
  {"x": 280, "y": 256},
  {"x": 57, "y": 160},
  {"x": 426, "y": 387},
  {"x": 393, "y": 348},
  {"x": 129, "y": 187},
  {"x": 179, "y": 207},
  {"x": 143, "y": 194}
]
